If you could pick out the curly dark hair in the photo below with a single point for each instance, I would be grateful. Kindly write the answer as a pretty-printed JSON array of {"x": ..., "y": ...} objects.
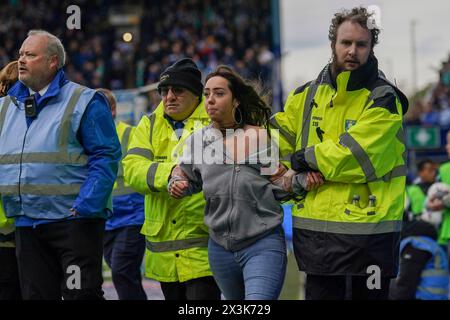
[
  {"x": 252, "y": 104},
  {"x": 359, "y": 15}
]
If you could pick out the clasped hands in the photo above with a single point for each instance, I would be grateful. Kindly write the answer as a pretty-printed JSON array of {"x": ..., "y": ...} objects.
[
  {"x": 284, "y": 178},
  {"x": 289, "y": 179},
  {"x": 179, "y": 183}
]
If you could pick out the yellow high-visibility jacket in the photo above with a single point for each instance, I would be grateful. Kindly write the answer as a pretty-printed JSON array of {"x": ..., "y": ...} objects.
[
  {"x": 124, "y": 132},
  {"x": 176, "y": 237},
  {"x": 444, "y": 229},
  {"x": 6, "y": 228},
  {"x": 351, "y": 131}
]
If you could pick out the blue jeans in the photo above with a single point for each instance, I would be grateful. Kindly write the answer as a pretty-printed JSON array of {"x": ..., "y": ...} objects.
[{"x": 253, "y": 273}]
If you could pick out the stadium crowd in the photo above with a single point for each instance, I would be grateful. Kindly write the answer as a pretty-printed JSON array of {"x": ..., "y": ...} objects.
[
  {"x": 218, "y": 33},
  {"x": 433, "y": 108}
]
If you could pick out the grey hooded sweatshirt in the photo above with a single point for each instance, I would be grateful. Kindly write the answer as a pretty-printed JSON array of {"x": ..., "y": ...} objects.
[{"x": 242, "y": 205}]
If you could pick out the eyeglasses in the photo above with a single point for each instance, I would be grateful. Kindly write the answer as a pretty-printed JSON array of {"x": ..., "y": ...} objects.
[{"x": 176, "y": 91}]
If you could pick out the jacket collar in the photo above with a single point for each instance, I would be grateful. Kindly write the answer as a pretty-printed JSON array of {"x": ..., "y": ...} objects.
[
  {"x": 367, "y": 76},
  {"x": 21, "y": 91},
  {"x": 363, "y": 77}
]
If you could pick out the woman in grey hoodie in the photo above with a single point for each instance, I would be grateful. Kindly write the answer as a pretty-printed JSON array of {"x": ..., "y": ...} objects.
[{"x": 230, "y": 161}]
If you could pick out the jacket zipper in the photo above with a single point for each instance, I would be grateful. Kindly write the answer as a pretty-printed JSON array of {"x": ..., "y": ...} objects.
[{"x": 232, "y": 187}]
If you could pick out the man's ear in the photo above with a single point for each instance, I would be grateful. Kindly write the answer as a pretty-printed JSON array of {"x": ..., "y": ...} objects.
[{"x": 54, "y": 62}]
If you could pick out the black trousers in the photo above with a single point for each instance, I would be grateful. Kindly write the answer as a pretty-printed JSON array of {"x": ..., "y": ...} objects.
[
  {"x": 204, "y": 288},
  {"x": 9, "y": 275},
  {"x": 123, "y": 250},
  {"x": 61, "y": 259},
  {"x": 320, "y": 287}
]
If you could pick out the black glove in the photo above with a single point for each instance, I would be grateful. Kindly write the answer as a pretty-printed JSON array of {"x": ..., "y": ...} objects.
[{"x": 298, "y": 162}]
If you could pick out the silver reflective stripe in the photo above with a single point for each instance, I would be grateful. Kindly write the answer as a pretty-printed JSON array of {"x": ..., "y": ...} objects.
[
  {"x": 433, "y": 290},
  {"x": 42, "y": 190},
  {"x": 289, "y": 137},
  {"x": 296, "y": 220},
  {"x": 363, "y": 228},
  {"x": 45, "y": 157},
  {"x": 146, "y": 153},
  {"x": 152, "y": 118},
  {"x": 398, "y": 171},
  {"x": 401, "y": 137},
  {"x": 401, "y": 170},
  {"x": 121, "y": 191},
  {"x": 120, "y": 182},
  {"x": 310, "y": 157},
  {"x": 379, "y": 92},
  {"x": 437, "y": 260},
  {"x": 287, "y": 157},
  {"x": 5, "y": 107},
  {"x": 66, "y": 122},
  {"x": 307, "y": 110},
  {"x": 53, "y": 157},
  {"x": 434, "y": 273},
  {"x": 361, "y": 156},
  {"x": 124, "y": 145},
  {"x": 151, "y": 174},
  {"x": 405, "y": 155},
  {"x": 176, "y": 244},
  {"x": 126, "y": 140}
]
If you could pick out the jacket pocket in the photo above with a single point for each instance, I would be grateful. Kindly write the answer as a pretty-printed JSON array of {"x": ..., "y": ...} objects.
[
  {"x": 151, "y": 228},
  {"x": 216, "y": 213},
  {"x": 246, "y": 220},
  {"x": 355, "y": 213}
]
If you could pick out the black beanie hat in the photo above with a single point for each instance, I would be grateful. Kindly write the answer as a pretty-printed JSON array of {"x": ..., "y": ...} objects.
[{"x": 183, "y": 73}]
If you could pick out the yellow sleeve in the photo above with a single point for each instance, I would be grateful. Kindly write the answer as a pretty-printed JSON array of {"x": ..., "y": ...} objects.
[
  {"x": 285, "y": 126},
  {"x": 141, "y": 171},
  {"x": 369, "y": 150},
  {"x": 6, "y": 224}
]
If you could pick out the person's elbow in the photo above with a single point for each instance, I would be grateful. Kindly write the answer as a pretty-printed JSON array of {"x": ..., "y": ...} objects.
[{"x": 117, "y": 154}]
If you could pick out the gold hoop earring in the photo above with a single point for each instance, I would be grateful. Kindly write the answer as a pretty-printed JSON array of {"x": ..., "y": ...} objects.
[{"x": 241, "y": 118}]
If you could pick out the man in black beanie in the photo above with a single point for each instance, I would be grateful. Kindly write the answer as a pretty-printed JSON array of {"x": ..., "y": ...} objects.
[
  {"x": 176, "y": 237},
  {"x": 183, "y": 73}
]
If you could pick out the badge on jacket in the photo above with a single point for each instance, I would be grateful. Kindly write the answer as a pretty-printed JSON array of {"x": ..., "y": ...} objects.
[{"x": 349, "y": 124}]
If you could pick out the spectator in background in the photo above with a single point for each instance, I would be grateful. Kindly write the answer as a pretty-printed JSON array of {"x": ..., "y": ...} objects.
[
  {"x": 9, "y": 273},
  {"x": 413, "y": 117},
  {"x": 124, "y": 245},
  {"x": 436, "y": 204},
  {"x": 416, "y": 193},
  {"x": 429, "y": 115},
  {"x": 210, "y": 32},
  {"x": 220, "y": 31},
  {"x": 434, "y": 107},
  {"x": 423, "y": 272}
]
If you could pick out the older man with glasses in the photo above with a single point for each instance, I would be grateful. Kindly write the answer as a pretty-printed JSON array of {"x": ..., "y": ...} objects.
[
  {"x": 176, "y": 237},
  {"x": 63, "y": 156}
]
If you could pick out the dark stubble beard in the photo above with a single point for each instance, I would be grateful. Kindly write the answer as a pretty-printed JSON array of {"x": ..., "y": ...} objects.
[{"x": 335, "y": 69}]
